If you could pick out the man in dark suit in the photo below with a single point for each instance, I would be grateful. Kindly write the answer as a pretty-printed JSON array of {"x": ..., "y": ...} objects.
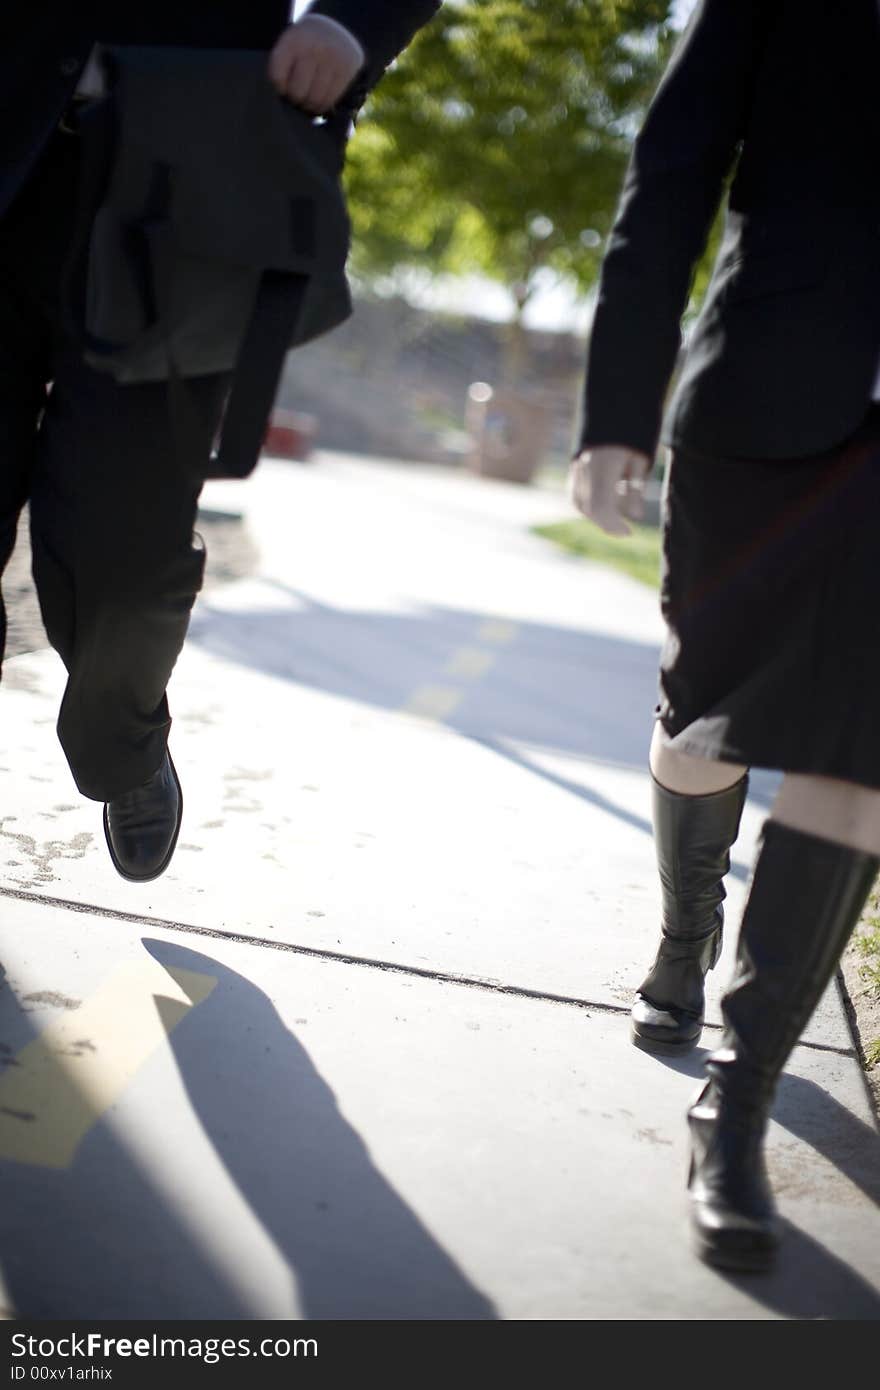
[
  {"x": 112, "y": 509},
  {"x": 770, "y": 588}
]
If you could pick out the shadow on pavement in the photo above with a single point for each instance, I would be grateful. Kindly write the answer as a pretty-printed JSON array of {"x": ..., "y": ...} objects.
[
  {"x": 810, "y": 1283},
  {"x": 100, "y": 1239},
  {"x": 97, "y": 1239},
  {"x": 809, "y": 1280},
  {"x": 812, "y": 1114},
  {"x": 353, "y": 1245},
  {"x": 583, "y": 694}
]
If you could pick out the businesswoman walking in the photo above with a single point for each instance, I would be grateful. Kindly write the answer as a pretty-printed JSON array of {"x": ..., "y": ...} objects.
[{"x": 771, "y": 582}]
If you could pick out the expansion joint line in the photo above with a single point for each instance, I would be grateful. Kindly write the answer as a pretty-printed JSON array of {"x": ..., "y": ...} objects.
[{"x": 490, "y": 986}]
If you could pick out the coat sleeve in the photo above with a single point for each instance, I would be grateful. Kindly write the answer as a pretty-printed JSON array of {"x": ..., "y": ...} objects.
[
  {"x": 671, "y": 192},
  {"x": 382, "y": 27}
]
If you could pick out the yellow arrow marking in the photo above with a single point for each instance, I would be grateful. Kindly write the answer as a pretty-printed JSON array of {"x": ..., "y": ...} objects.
[{"x": 61, "y": 1083}]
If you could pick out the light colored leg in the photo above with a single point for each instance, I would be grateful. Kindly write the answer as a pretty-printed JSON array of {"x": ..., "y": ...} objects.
[
  {"x": 686, "y": 774},
  {"x": 844, "y": 812}
]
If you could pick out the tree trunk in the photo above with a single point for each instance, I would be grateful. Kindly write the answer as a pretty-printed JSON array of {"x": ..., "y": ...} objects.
[{"x": 513, "y": 363}]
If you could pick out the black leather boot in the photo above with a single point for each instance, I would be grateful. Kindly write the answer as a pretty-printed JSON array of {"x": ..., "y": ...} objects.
[
  {"x": 141, "y": 826},
  {"x": 693, "y": 836},
  {"x": 804, "y": 901}
]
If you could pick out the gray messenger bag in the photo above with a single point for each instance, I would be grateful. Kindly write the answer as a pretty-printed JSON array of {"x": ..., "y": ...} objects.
[{"x": 212, "y": 233}]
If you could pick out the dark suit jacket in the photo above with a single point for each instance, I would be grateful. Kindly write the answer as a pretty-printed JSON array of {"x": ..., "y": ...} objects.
[
  {"x": 786, "y": 348},
  {"x": 44, "y": 45}
]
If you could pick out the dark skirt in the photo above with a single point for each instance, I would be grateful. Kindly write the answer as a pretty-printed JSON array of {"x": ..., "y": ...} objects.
[{"x": 771, "y": 594}]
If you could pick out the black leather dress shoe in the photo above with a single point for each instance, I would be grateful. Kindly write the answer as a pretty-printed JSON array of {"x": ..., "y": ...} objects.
[{"x": 142, "y": 826}]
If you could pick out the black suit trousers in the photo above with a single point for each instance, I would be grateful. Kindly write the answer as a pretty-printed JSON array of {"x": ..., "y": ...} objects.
[{"x": 113, "y": 501}]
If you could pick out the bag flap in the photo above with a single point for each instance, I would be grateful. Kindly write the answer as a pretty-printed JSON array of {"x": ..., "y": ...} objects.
[{"x": 204, "y": 139}]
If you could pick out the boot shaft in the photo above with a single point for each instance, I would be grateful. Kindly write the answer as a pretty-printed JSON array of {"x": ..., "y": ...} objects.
[
  {"x": 804, "y": 901},
  {"x": 693, "y": 836},
  {"x": 805, "y": 898}
]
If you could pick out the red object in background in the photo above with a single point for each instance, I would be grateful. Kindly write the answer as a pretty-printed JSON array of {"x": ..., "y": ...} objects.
[{"x": 291, "y": 435}]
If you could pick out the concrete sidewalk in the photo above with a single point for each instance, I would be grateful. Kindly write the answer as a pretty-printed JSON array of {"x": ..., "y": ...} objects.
[{"x": 364, "y": 1050}]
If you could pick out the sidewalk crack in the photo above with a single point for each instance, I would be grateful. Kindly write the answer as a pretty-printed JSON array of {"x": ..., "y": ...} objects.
[{"x": 489, "y": 986}]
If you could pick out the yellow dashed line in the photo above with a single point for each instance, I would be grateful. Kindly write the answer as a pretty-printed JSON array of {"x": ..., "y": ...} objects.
[
  {"x": 497, "y": 631},
  {"x": 63, "y": 1081},
  {"x": 433, "y": 701},
  {"x": 466, "y": 664},
  {"x": 469, "y": 663}
]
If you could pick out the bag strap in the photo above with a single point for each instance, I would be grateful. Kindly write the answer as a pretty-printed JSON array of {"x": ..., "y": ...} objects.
[
  {"x": 97, "y": 141},
  {"x": 274, "y": 319},
  {"x": 277, "y": 310}
]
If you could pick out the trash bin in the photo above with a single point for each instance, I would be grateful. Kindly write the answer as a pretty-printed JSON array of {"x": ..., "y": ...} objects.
[{"x": 508, "y": 431}]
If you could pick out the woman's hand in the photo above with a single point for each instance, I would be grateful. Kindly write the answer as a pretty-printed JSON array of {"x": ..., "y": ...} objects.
[
  {"x": 314, "y": 62},
  {"x": 607, "y": 484}
]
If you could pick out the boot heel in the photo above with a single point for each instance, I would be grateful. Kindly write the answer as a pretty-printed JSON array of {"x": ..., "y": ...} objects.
[
  {"x": 664, "y": 1047},
  {"x": 751, "y": 1260}
]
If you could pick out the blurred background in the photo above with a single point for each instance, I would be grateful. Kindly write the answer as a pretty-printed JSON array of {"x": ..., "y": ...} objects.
[{"x": 482, "y": 183}]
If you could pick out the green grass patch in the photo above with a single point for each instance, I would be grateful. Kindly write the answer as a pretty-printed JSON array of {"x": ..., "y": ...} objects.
[
  {"x": 868, "y": 946},
  {"x": 637, "y": 555},
  {"x": 867, "y": 943}
]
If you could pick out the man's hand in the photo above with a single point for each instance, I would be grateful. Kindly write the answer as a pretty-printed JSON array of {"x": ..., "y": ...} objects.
[
  {"x": 607, "y": 484},
  {"x": 314, "y": 62}
]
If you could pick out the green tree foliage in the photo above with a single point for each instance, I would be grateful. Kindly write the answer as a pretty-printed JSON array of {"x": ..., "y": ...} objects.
[{"x": 499, "y": 141}]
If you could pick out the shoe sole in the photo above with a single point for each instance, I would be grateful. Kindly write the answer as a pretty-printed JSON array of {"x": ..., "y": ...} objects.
[
  {"x": 666, "y": 1049},
  {"x": 157, "y": 873},
  {"x": 736, "y": 1261}
]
